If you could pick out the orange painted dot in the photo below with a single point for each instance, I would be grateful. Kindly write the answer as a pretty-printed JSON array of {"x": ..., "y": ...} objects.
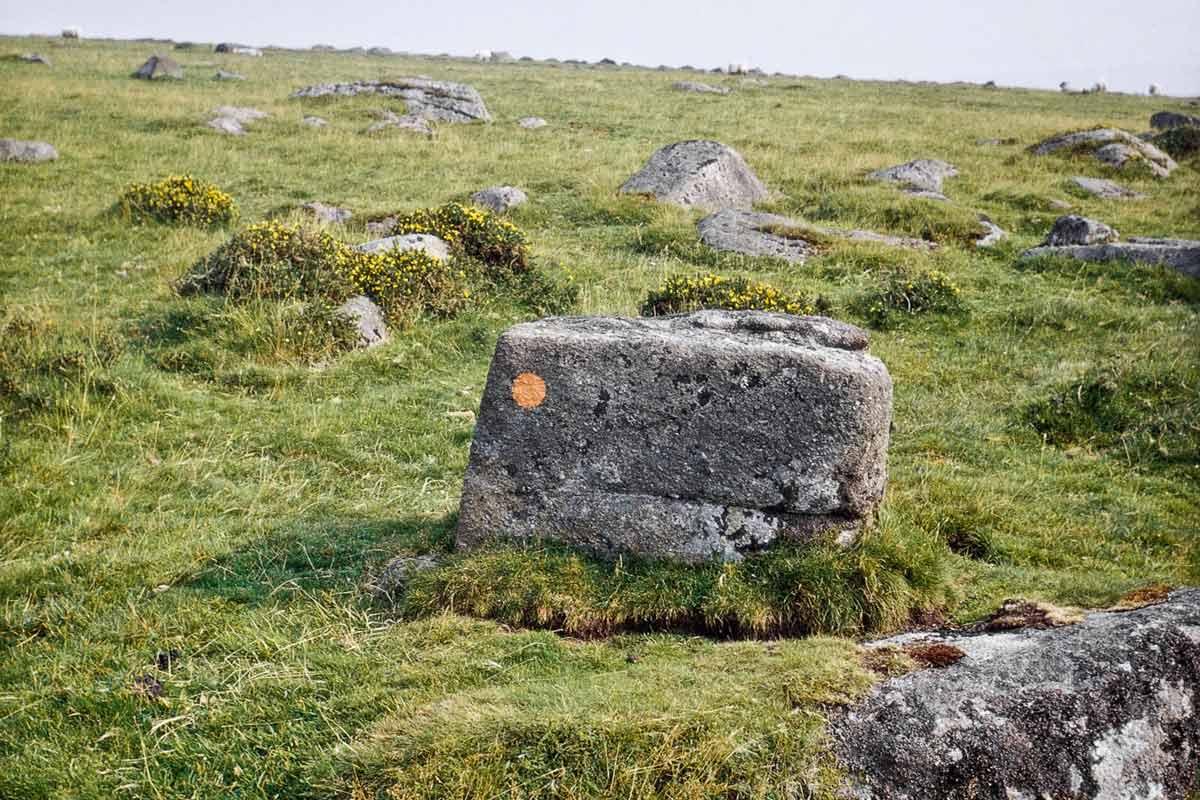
[{"x": 528, "y": 390}]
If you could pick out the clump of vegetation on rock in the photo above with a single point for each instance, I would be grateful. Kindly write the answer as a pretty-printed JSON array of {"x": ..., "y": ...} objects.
[
  {"x": 683, "y": 293},
  {"x": 178, "y": 198},
  {"x": 903, "y": 292}
]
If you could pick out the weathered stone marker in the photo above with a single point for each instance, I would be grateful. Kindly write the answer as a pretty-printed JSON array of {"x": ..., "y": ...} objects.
[{"x": 704, "y": 435}]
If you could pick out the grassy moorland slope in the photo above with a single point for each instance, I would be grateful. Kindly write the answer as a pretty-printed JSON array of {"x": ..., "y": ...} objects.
[{"x": 177, "y": 487}]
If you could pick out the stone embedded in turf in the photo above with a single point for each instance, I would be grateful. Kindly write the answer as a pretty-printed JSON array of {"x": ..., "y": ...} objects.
[
  {"x": 26, "y": 152},
  {"x": 368, "y": 319},
  {"x": 920, "y": 178},
  {"x": 1074, "y": 229},
  {"x": 532, "y": 123},
  {"x": 443, "y": 101},
  {"x": 1099, "y": 142},
  {"x": 159, "y": 68},
  {"x": 1106, "y": 189},
  {"x": 698, "y": 173},
  {"x": 427, "y": 243},
  {"x": 499, "y": 199},
  {"x": 1165, "y": 120},
  {"x": 327, "y": 213},
  {"x": 698, "y": 88},
  {"x": 1181, "y": 255},
  {"x": 1106, "y": 708},
  {"x": 711, "y": 434}
]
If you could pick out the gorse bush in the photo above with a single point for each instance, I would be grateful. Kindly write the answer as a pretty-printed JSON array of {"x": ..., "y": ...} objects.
[
  {"x": 683, "y": 293},
  {"x": 274, "y": 260},
  {"x": 481, "y": 235},
  {"x": 178, "y": 198},
  {"x": 904, "y": 292}
]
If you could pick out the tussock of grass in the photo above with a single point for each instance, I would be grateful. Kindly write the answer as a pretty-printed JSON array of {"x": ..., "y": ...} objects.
[
  {"x": 875, "y": 585},
  {"x": 1145, "y": 410},
  {"x": 900, "y": 293}
]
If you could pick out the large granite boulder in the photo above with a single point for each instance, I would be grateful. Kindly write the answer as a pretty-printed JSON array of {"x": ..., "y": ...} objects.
[
  {"x": 698, "y": 173},
  {"x": 1106, "y": 709},
  {"x": 439, "y": 100},
  {"x": 27, "y": 152},
  {"x": 1099, "y": 142},
  {"x": 697, "y": 436},
  {"x": 159, "y": 68},
  {"x": 921, "y": 178},
  {"x": 1165, "y": 120},
  {"x": 753, "y": 233},
  {"x": 1074, "y": 229}
]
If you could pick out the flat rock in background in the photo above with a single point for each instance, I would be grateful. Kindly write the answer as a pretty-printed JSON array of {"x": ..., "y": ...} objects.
[
  {"x": 920, "y": 178},
  {"x": 699, "y": 173},
  {"x": 1099, "y": 142},
  {"x": 1104, "y": 188},
  {"x": 439, "y": 100},
  {"x": 1105, "y": 709},
  {"x": 753, "y": 233},
  {"x": 698, "y": 88},
  {"x": 26, "y": 152},
  {"x": 1165, "y": 120},
  {"x": 690, "y": 437},
  {"x": 499, "y": 199},
  {"x": 1181, "y": 255}
]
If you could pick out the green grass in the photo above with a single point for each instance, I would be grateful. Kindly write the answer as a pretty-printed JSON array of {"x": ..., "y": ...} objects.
[{"x": 175, "y": 475}]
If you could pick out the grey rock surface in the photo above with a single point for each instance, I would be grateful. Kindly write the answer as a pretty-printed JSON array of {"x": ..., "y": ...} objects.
[
  {"x": 222, "y": 75},
  {"x": 425, "y": 242},
  {"x": 1181, "y": 255},
  {"x": 234, "y": 119},
  {"x": 26, "y": 152},
  {"x": 697, "y": 436},
  {"x": 227, "y": 125},
  {"x": 314, "y": 122},
  {"x": 1074, "y": 229},
  {"x": 698, "y": 88},
  {"x": 1102, "y": 187},
  {"x": 408, "y": 122},
  {"x": 237, "y": 49},
  {"x": 439, "y": 100},
  {"x": 699, "y": 173},
  {"x": 327, "y": 213},
  {"x": 1098, "y": 141},
  {"x": 1165, "y": 120},
  {"x": 159, "y": 68},
  {"x": 748, "y": 232},
  {"x": 499, "y": 199},
  {"x": 367, "y": 318},
  {"x": 993, "y": 233},
  {"x": 532, "y": 123},
  {"x": 34, "y": 58},
  {"x": 921, "y": 178},
  {"x": 1105, "y": 710}
]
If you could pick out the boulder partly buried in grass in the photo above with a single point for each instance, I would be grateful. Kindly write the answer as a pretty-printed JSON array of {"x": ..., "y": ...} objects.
[
  {"x": 1074, "y": 229},
  {"x": 1181, "y": 255},
  {"x": 444, "y": 101},
  {"x": 706, "y": 435},
  {"x": 1111, "y": 146},
  {"x": 921, "y": 178},
  {"x": 26, "y": 152},
  {"x": 499, "y": 199},
  {"x": 703, "y": 174},
  {"x": 159, "y": 68},
  {"x": 1105, "y": 189},
  {"x": 1102, "y": 709}
]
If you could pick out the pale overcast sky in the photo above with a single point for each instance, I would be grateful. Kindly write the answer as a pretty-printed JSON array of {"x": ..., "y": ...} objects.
[{"x": 1014, "y": 42}]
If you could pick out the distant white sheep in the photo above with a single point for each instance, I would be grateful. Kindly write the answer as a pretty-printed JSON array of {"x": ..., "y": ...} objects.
[{"x": 72, "y": 33}]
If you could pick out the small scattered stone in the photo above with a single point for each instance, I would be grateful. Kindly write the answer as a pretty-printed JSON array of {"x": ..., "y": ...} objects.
[
  {"x": 920, "y": 178},
  {"x": 325, "y": 213},
  {"x": 698, "y": 173},
  {"x": 1074, "y": 229},
  {"x": 379, "y": 51},
  {"x": 314, "y": 122},
  {"x": 34, "y": 58},
  {"x": 367, "y": 318},
  {"x": 500, "y": 199},
  {"x": 233, "y": 119},
  {"x": 222, "y": 75},
  {"x": 159, "y": 68},
  {"x": 427, "y": 243},
  {"x": 1102, "y": 187},
  {"x": 26, "y": 152},
  {"x": 993, "y": 233},
  {"x": 227, "y": 125},
  {"x": 573, "y": 405},
  {"x": 408, "y": 122},
  {"x": 394, "y": 577},
  {"x": 699, "y": 88},
  {"x": 532, "y": 123}
]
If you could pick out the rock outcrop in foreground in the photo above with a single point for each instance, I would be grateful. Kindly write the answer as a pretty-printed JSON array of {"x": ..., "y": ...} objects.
[
  {"x": 699, "y": 173},
  {"x": 1106, "y": 709},
  {"x": 702, "y": 435},
  {"x": 444, "y": 101}
]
